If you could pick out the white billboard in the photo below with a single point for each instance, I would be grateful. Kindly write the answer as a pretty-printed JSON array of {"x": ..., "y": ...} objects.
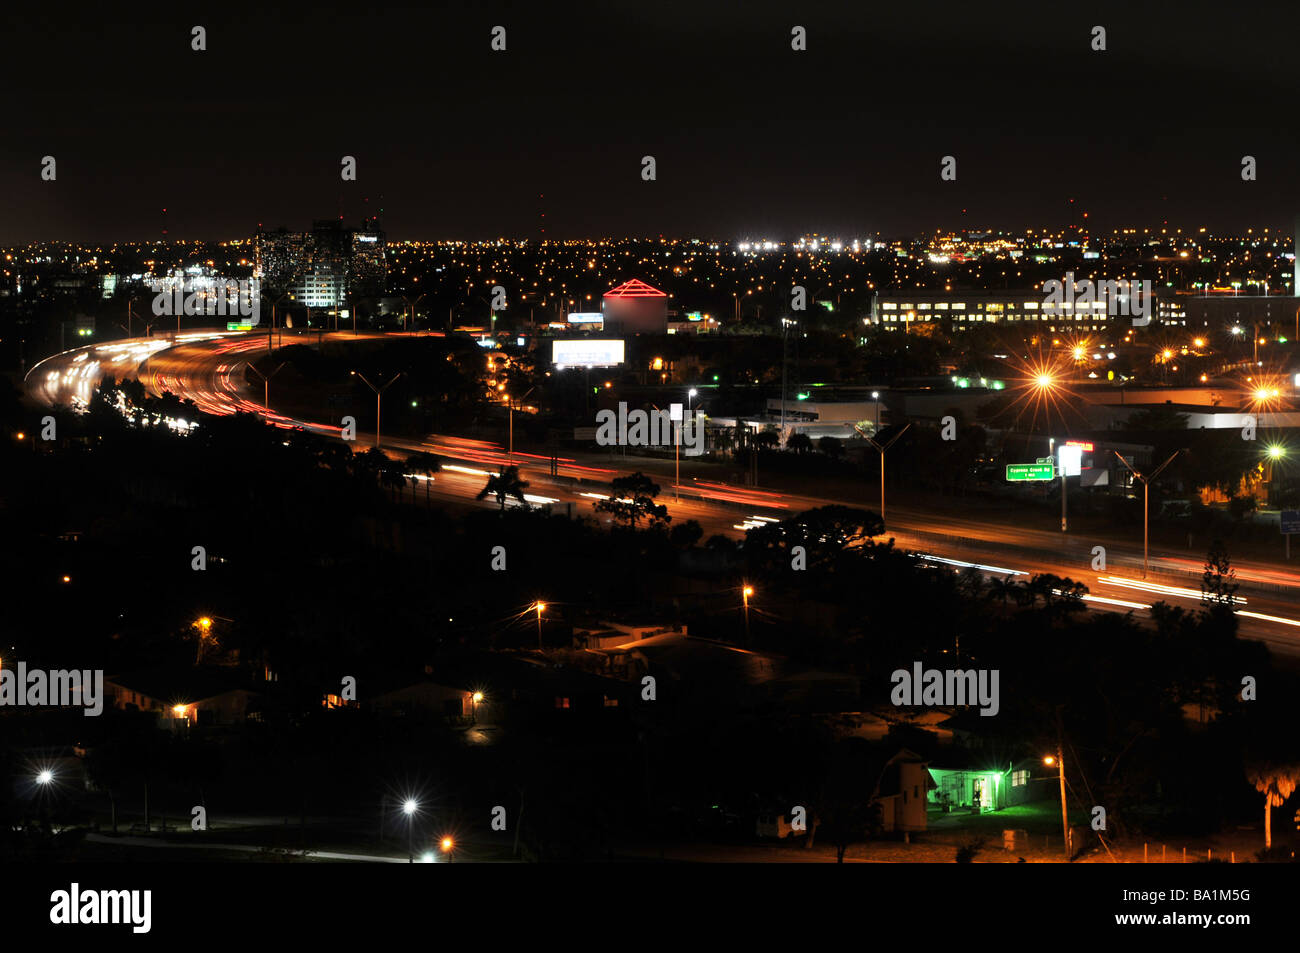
[
  {"x": 587, "y": 353},
  {"x": 1071, "y": 460},
  {"x": 586, "y": 317}
]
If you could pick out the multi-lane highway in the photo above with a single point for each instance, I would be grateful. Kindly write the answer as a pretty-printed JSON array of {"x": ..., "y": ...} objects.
[{"x": 206, "y": 367}]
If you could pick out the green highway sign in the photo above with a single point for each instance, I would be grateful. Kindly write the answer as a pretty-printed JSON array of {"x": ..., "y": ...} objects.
[{"x": 1019, "y": 472}]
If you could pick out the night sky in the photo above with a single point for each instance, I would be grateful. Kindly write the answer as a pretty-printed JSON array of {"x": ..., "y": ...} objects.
[{"x": 751, "y": 139}]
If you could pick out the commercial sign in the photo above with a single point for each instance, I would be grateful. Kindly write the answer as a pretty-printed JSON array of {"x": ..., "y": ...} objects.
[
  {"x": 1071, "y": 460},
  {"x": 584, "y": 352}
]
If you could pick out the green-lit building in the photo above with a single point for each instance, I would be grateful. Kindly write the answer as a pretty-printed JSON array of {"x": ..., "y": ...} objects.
[{"x": 975, "y": 789}]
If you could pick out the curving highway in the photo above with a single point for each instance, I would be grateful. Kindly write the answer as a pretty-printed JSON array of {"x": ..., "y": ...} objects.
[{"x": 206, "y": 367}]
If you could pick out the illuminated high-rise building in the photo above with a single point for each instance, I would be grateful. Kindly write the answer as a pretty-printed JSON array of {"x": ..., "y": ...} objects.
[{"x": 348, "y": 262}]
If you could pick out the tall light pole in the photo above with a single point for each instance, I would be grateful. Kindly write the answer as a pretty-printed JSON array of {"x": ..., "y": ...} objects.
[
  {"x": 409, "y": 809},
  {"x": 474, "y": 699},
  {"x": 510, "y": 401},
  {"x": 539, "y": 607},
  {"x": 785, "y": 331},
  {"x": 274, "y": 325},
  {"x": 1146, "y": 501},
  {"x": 411, "y": 307},
  {"x": 1065, "y": 816},
  {"x": 745, "y": 593},
  {"x": 379, "y": 393},
  {"x": 266, "y": 383},
  {"x": 1274, "y": 453},
  {"x": 875, "y": 396},
  {"x": 881, "y": 448}
]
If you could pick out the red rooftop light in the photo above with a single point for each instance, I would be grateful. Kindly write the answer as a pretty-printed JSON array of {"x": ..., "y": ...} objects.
[{"x": 634, "y": 289}]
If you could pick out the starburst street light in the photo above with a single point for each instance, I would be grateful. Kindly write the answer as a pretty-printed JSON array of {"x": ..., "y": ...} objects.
[{"x": 410, "y": 807}]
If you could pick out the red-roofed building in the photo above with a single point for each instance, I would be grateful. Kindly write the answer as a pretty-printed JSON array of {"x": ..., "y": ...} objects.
[{"x": 635, "y": 308}]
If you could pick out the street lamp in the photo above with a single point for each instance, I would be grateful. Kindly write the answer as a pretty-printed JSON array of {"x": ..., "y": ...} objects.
[
  {"x": 473, "y": 707},
  {"x": 45, "y": 777},
  {"x": 409, "y": 808},
  {"x": 448, "y": 845},
  {"x": 1273, "y": 453},
  {"x": 1146, "y": 500},
  {"x": 379, "y": 393},
  {"x": 411, "y": 307},
  {"x": 539, "y": 607},
  {"x": 510, "y": 402},
  {"x": 1065, "y": 817},
  {"x": 745, "y": 593},
  {"x": 266, "y": 382},
  {"x": 881, "y": 448}
]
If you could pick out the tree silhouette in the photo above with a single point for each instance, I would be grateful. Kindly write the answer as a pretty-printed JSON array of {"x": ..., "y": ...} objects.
[
  {"x": 1218, "y": 582},
  {"x": 1276, "y": 782},
  {"x": 833, "y": 447},
  {"x": 503, "y": 485},
  {"x": 799, "y": 443},
  {"x": 633, "y": 499},
  {"x": 427, "y": 464}
]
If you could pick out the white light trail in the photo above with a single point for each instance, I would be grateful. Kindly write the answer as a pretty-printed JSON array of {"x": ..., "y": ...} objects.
[{"x": 1158, "y": 588}]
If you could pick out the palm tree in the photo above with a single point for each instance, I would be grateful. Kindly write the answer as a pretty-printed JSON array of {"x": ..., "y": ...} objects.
[
  {"x": 368, "y": 467},
  {"x": 1001, "y": 587},
  {"x": 426, "y": 464},
  {"x": 502, "y": 485},
  {"x": 1275, "y": 782},
  {"x": 394, "y": 477},
  {"x": 971, "y": 582}
]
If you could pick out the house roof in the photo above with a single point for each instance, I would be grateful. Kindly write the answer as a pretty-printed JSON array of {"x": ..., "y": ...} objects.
[
  {"x": 184, "y": 685},
  {"x": 634, "y": 288}
]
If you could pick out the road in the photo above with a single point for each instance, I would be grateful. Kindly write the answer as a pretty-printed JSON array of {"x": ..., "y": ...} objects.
[{"x": 205, "y": 367}]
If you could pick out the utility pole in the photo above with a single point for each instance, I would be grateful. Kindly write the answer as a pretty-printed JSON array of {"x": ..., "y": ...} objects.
[
  {"x": 1146, "y": 502},
  {"x": 746, "y": 591},
  {"x": 1064, "y": 484},
  {"x": 1065, "y": 815},
  {"x": 785, "y": 331}
]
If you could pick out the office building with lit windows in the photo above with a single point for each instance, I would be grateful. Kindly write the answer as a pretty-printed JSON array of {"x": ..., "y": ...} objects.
[{"x": 959, "y": 310}]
